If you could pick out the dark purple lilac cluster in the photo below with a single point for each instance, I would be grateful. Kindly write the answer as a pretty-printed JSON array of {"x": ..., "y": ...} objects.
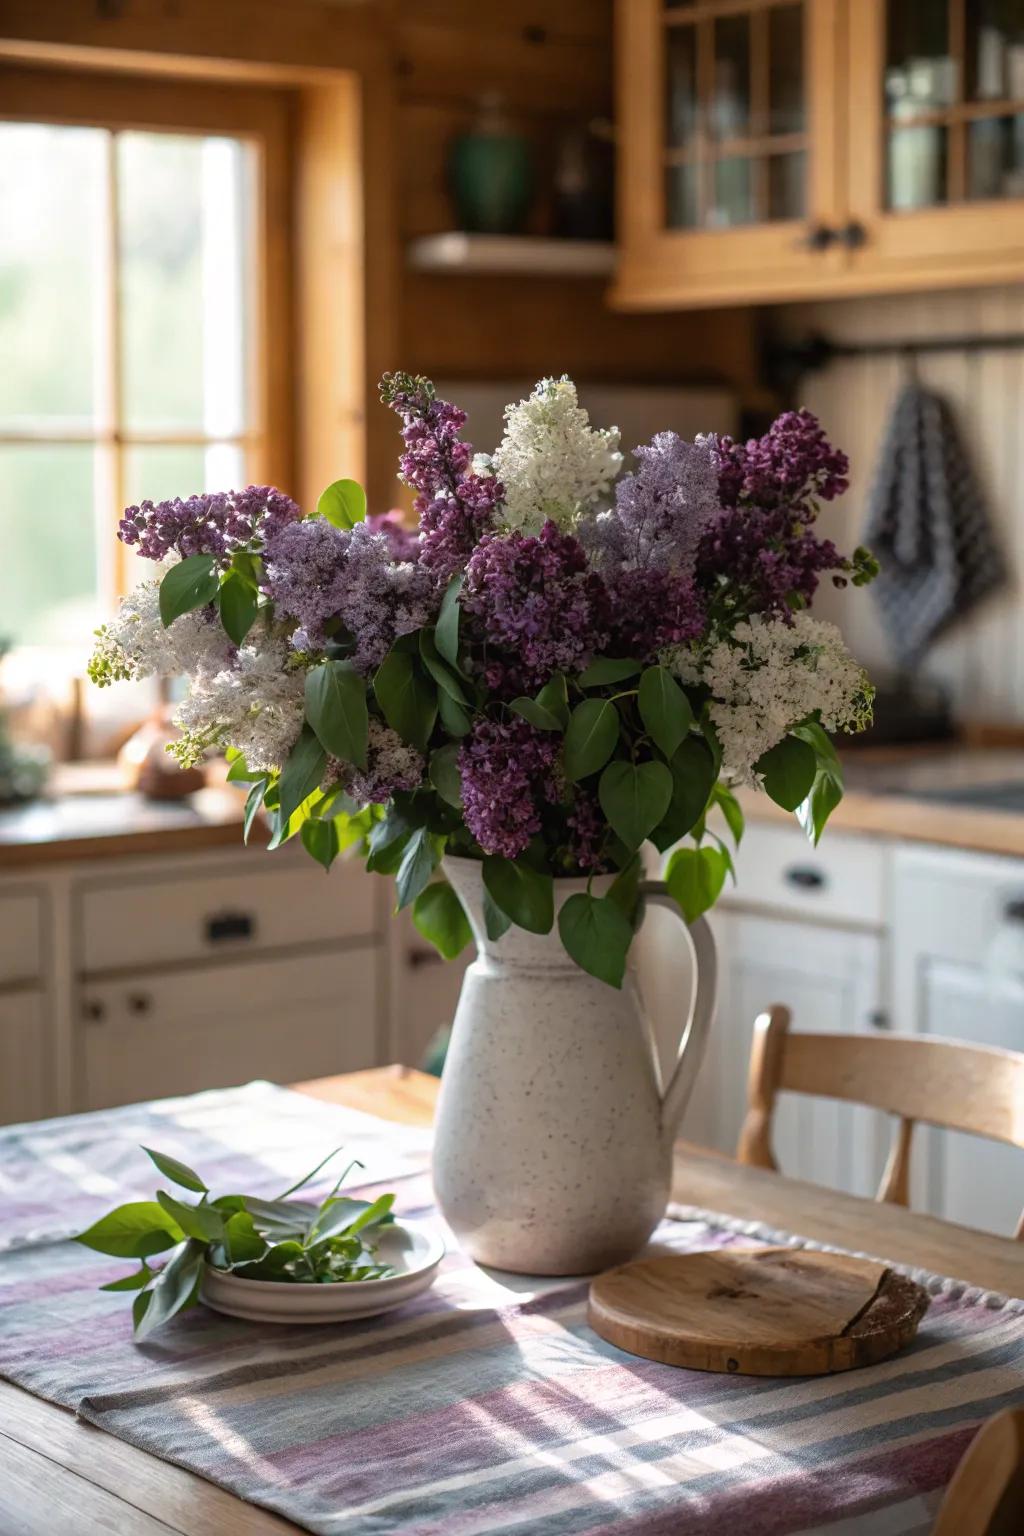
[
  {"x": 218, "y": 523},
  {"x": 761, "y": 542},
  {"x": 537, "y": 603},
  {"x": 792, "y": 466},
  {"x": 650, "y": 609},
  {"x": 588, "y": 834},
  {"x": 455, "y": 504},
  {"x": 508, "y": 772}
]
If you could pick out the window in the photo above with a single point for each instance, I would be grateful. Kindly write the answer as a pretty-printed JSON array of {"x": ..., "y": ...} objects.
[{"x": 133, "y": 328}]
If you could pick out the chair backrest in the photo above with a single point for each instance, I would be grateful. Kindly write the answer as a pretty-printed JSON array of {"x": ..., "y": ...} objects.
[
  {"x": 941, "y": 1082},
  {"x": 986, "y": 1496}
]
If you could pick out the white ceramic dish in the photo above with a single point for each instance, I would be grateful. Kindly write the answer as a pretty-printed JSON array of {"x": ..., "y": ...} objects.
[{"x": 414, "y": 1252}]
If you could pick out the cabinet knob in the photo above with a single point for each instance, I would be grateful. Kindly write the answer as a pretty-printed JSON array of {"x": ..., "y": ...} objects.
[
  {"x": 818, "y": 238},
  {"x": 1013, "y": 912},
  {"x": 879, "y": 1019},
  {"x": 93, "y": 1010},
  {"x": 139, "y": 1002},
  {"x": 852, "y": 235},
  {"x": 805, "y": 877}
]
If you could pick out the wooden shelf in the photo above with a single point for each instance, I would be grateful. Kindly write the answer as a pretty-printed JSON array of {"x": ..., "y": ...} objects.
[{"x": 527, "y": 255}]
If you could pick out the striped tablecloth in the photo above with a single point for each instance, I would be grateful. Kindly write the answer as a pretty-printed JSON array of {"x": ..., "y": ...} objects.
[{"x": 486, "y": 1405}]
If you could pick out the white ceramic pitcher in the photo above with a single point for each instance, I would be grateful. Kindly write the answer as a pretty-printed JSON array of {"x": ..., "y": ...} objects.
[{"x": 553, "y": 1149}]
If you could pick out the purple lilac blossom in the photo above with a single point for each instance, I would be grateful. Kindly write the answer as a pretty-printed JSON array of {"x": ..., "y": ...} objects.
[
  {"x": 218, "y": 523},
  {"x": 651, "y": 609},
  {"x": 404, "y": 542},
  {"x": 382, "y": 598},
  {"x": 792, "y": 466},
  {"x": 587, "y": 833},
  {"x": 391, "y": 765},
  {"x": 306, "y": 576},
  {"x": 454, "y": 503},
  {"x": 316, "y": 573},
  {"x": 536, "y": 599},
  {"x": 761, "y": 541},
  {"x": 663, "y": 507},
  {"x": 508, "y": 772}
]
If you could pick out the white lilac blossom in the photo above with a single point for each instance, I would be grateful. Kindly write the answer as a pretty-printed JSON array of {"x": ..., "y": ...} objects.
[
  {"x": 255, "y": 705},
  {"x": 769, "y": 676},
  {"x": 552, "y": 463},
  {"x": 135, "y": 644}
]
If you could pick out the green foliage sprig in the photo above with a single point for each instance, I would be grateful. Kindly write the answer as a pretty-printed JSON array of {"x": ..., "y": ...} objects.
[{"x": 296, "y": 1241}]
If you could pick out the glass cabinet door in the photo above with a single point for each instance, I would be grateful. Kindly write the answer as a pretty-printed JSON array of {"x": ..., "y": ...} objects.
[
  {"x": 735, "y": 113},
  {"x": 937, "y": 118},
  {"x": 728, "y": 148}
]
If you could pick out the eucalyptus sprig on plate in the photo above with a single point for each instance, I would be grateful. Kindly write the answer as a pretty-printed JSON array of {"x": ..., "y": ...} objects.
[{"x": 282, "y": 1240}]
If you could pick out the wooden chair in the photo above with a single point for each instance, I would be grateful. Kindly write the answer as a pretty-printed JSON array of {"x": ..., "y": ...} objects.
[
  {"x": 941, "y": 1082},
  {"x": 986, "y": 1496}
]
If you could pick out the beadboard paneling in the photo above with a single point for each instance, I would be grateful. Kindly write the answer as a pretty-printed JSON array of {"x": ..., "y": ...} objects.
[{"x": 981, "y": 660}]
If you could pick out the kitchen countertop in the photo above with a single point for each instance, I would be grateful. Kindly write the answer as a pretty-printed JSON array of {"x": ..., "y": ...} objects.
[
  {"x": 86, "y": 815},
  {"x": 885, "y": 789}
]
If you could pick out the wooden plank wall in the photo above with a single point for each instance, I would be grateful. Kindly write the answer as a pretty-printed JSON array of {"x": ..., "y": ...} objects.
[
  {"x": 552, "y": 65},
  {"x": 981, "y": 660}
]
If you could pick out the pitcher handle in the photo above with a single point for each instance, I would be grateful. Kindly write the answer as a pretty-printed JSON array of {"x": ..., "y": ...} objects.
[{"x": 702, "y": 1006}]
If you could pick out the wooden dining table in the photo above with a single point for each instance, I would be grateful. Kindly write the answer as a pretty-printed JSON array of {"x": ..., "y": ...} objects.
[{"x": 62, "y": 1477}]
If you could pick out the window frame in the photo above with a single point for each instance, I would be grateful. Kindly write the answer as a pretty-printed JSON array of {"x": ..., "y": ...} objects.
[{"x": 263, "y": 118}]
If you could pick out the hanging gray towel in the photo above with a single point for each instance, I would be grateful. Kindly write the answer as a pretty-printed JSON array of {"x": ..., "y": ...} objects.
[{"x": 929, "y": 527}]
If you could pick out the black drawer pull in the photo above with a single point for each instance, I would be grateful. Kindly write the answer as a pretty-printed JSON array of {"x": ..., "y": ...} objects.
[
  {"x": 420, "y": 957},
  {"x": 230, "y": 925},
  {"x": 805, "y": 877},
  {"x": 94, "y": 1010},
  {"x": 1014, "y": 910},
  {"x": 139, "y": 1002}
]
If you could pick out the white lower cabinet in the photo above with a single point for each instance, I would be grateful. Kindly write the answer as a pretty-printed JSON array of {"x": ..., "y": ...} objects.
[
  {"x": 176, "y": 1031},
  {"x": 24, "y": 1084},
  {"x": 959, "y": 975},
  {"x": 831, "y": 978}
]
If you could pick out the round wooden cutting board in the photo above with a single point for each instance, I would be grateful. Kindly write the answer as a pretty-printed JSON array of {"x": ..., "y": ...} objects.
[{"x": 757, "y": 1311}]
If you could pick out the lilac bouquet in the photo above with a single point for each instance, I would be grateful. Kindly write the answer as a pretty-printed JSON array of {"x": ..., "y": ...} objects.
[{"x": 563, "y": 662}]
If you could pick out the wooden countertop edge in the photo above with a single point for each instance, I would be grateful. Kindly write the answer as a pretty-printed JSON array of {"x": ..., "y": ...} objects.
[
  {"x": 119, "y": 845},
  {"x": 904, "y": 819}
]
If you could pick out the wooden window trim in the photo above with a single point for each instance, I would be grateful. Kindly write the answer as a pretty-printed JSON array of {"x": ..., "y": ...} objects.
[
  {"x": 260, "y": 117},
  {"x": 337, "y": 61}
]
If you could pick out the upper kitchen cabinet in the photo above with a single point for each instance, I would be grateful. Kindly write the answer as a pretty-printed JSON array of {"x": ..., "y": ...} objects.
[
  {"x": 936, "y": 143},
  {"x": 729, "y": 150},
  {"x": 792, "y": 149}
]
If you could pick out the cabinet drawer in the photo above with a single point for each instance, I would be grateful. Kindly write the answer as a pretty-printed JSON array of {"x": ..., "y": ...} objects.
[
  {"x": 169, "y": 916},
  {"x": 160, "y": 1034},
  {"x": 844, "y": 878},
  {"x": 21, "y": 945}
]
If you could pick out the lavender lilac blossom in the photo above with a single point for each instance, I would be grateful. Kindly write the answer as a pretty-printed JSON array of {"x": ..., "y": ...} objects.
[
  {"x": 536, "y": 599},
  {"x": 663, "y": 507},
  {"x": 218, "y": 523},
  {"x": 508, "y": 772},
  {"x": 391, "y": 765},
  {"x": 455, "y": 504},
  {"x": 316, "y": 574}
]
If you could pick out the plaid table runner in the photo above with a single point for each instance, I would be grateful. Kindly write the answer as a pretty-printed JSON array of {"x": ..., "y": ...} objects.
[{"x": 486, "y": 1405}]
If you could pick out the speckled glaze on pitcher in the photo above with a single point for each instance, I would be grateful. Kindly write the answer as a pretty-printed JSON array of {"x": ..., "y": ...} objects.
[{"x": 553, "y": 1147}]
